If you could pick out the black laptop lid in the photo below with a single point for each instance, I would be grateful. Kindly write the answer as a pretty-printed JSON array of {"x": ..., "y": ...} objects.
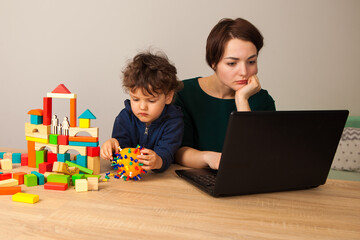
[{"x": 278, "y": 150}]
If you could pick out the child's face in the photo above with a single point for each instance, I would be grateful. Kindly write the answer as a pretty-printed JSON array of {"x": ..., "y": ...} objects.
[{"x": 147, "y": 108}]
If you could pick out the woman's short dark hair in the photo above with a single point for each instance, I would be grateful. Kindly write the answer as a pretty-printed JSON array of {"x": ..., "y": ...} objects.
[
  {"x": 153, "y": 73},
  {"x": 225, "y": 30}
]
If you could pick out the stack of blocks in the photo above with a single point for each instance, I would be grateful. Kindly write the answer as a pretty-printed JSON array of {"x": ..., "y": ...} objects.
[{"x": 39, "y": 137}]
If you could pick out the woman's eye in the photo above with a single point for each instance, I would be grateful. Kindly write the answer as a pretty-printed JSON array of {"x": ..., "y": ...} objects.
[
  {"x": 231, "y": 64},
  {"x": 252, "y": 62}
]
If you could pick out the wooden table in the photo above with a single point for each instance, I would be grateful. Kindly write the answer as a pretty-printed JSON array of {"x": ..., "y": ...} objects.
[{"x": 163, "y": 206}]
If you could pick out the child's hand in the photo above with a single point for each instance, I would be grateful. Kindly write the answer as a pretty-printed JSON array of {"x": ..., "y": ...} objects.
[
  {"x": 150, "y": 159},
  {"x": 107, "y": 149}
]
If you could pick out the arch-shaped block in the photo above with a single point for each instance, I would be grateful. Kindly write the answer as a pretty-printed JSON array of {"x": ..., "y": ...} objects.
[
  {"x": 41, "y": 146},
  {"x": 94, "y": 132},
  {"x": 37, "y": 131},
  {"x": 81, "y": 150}
]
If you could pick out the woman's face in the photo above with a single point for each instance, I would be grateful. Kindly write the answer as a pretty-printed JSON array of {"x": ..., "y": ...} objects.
[{"x": 238, "y": 63}]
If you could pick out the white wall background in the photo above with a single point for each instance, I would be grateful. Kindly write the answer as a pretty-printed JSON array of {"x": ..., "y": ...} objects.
[{"x": 310, "y": 59}]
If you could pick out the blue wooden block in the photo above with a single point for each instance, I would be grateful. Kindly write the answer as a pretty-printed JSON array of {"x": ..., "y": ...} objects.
[
  {"x": 34, "y": 119},
  {"x": 2, "y": 155},
  {"x": 63, "y": 157},
  {"x": 16, "y": 158},
  {"x": 40, "y": 177},
  {"x": 84, "y": 144},
  {"x": 81, "y": 160}
]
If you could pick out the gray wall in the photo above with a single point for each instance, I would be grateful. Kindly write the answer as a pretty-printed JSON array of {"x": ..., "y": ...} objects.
[{"x": 310, "y": 58}]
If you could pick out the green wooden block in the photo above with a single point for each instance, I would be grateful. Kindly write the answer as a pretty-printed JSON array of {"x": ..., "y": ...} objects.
[
  {"x": 59, "y": 178},
  {"x": 82, "y": 169},
  {"x": 53, "y": 139},
  {"x": 40, "y": 157},
  {"x": 89, "y": 175},
  {"x": 77, "y": 176},
  {"x": 30, "y": 180}
]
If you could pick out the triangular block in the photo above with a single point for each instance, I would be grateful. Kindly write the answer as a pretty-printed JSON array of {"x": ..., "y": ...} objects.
[
  {"x": 87, "y": 115},
  {"x": 61, "y": 89}
]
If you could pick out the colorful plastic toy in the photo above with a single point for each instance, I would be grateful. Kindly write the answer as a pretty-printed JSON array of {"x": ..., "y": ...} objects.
[{"x": 127, "y": 164}]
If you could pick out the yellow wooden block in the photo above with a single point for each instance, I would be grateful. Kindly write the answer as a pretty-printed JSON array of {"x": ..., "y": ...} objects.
[
  {"x": 59, "y": 167},
  {"x": 84, "y": 123},
  {"x": 33, "y": 139},
  {"x": 81, "y": 185},
  {"x": 6, "y": 164},
  {"x": 93, "y": 163},
  {"x": 25, "y": 197},
  {"x": 9, "y": 182}
]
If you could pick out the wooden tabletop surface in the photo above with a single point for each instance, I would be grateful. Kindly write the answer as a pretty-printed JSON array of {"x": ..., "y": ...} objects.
[{"x": 163, "y": 206}]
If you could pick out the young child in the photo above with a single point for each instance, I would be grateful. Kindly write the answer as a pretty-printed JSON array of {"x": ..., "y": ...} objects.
[{"x": 148, "y": 119}]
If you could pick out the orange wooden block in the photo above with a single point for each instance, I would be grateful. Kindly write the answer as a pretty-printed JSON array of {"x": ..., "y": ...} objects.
[
  {"x": 9, "y": 190},
  {"x": 19, "y": 176},
  {"x": 37, "y": 112},
  {"x": 31, "y": 154},
  {"x": 83, "y": 139},
  {"x": 73, "y": 112}
]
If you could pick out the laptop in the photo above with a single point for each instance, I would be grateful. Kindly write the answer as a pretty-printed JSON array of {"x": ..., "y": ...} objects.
[{"x": 273, "y": 151}]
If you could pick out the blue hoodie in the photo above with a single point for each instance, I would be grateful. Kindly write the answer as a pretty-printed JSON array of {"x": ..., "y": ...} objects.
[{"x": 163, "y": 136}]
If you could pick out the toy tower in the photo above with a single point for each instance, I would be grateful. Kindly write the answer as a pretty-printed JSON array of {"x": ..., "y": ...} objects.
[{"x": 44, "y": 131}]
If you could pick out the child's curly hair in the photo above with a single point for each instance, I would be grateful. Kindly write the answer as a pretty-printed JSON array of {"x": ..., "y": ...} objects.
[{"x": 153, "y": 73}]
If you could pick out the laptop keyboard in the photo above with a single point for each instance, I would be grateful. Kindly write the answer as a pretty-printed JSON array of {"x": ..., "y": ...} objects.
[{"x": 207, "y": 180}]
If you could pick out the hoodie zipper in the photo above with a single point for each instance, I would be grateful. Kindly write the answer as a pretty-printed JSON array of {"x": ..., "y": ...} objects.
[{"x": 146, "y": 130}]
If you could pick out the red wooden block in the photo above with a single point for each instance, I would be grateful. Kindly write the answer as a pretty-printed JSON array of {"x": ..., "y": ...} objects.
[
  {"x": 93, "y": 151},
  {"x": 24, "y": 159},
  {"x": 45, "y": 167},
  {"x": 19, "y": 176},
  {"x": 63, "y": 140},
  {"x": 9, "y": 190},
  {"x": 5, "y": 176},
  {"x": 47, "y": 112},
  {"x": 51, "y": 157},
  {"x": 55, "y": 186}
]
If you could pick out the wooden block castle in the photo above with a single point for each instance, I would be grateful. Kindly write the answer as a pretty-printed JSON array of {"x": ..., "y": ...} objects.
[{"x": 45, "y": 132}]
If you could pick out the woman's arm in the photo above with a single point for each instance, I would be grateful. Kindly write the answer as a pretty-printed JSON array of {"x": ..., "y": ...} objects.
[
  {"x": 243, "y": 94},
  {"x": 190, "y": 157}
]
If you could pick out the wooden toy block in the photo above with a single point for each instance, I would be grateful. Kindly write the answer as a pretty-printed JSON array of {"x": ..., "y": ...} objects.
[
  {"x": 93, "y": 163},
  {"x": 37, "y": 112},
  {"x": 59, "y": 167},
  {"x": 7, "y": 155},
  {"x": 73, "y": 112},
  {"x": 92, "y": 175},
  {"x": 81, "y": 150},
  {"x": 51, "y": 157},
  {"x": 56, "y": 186},
  {"x": 19, "y": 176},
  {"x": 83, "y": 139},
  {"x": 41, "y": 146},
  {"x": 93, "y": 184},
  {"x": 2, "y": 154},
  {"x": 77, "y": 176},
  {"x": 81, "y": 160},
  {"x": 59, "y": 178},
  {"x": 37, "y": 139},
  {"x": 63, "y": 140},
  {"x": 30, "y": 180},
  {"x": 6, "y": 164},
  {"x": 94, "y": 132},
  {"x": 84, "y": 123},
  {"x": 16, "y": 158},
  {"x": 34, "y": 119},
  {"x": 37, "y": 131},
  {"x": 63, "y": 157},
  {"x": 81, "y": 185},
  {"x": 31, "y": 154},
  {"x": 9, "y": 190},
  {"x": 25, "y": 197},
  {"x": 61, "y": 89},
  {"x": 82, "y": 169},
  {"x": 40, "y": 177},
  {"x": 62, "y": 95},
  {"x": 84, "y": 144},
  {"x": 93, "y": 151},
  {"x": 24, "y": 159},
  {"x": 45, "y": 167},
  {"x": 40, "y": 157},
  {"x": 9, "y": 182},
  {"x": 87, "y": 114},
  {"x": 53, "y": 139},
  {"x": 47, "y": 112},
  {"x": 5, "y": 176},
  {"x": 46, "y": 174}
]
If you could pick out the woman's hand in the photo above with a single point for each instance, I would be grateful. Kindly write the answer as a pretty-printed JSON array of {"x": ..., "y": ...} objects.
[
  {"x": 243, "y": 94},
  {"x": 212, "y": 159}
]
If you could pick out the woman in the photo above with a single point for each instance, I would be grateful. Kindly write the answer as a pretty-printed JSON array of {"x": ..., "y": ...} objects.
[{"x": 231, "y": 51}]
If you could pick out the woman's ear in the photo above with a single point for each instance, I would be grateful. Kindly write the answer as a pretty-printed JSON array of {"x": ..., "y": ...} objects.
[{"x": 169, "y": 97}]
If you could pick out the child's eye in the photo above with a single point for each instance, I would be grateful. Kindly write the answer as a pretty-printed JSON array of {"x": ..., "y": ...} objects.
[
  {"x": 135, "y": 99},
  {"x": 152, "y": 100}
]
